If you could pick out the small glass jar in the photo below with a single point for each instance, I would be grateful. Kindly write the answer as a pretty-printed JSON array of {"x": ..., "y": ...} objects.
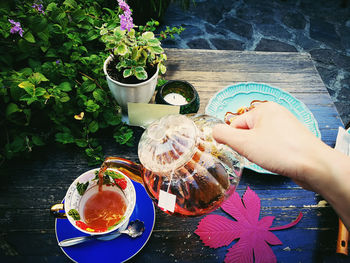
[{"x": 179, "y": 93}]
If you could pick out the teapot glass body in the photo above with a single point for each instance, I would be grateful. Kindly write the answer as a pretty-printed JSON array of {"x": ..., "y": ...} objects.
[{"x": 184, "y": 165}]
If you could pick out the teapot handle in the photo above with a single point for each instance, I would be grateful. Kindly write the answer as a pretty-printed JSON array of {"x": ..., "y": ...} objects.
[{"x": 132, "y": 170}]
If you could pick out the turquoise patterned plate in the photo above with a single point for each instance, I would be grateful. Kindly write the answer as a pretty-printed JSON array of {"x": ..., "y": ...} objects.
[{"x": 240, "y": 95}]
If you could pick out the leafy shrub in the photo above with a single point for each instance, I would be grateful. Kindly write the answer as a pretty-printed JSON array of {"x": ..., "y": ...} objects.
[{"x": 52, "y": 85}]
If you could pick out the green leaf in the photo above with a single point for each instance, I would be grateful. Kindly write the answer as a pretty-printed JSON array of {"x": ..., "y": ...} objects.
[
  {"x": 156, "y": 50},
  {"x": 37, "y": 77},
  {"x": 91, "y": 106},
  {"x": 161, "y": 82},
  {"x": 141, "y": 73},
  {"x": 81, "y": 142},
  {"x": 127, "y": 73},
  {"x": 88, "y": 86},
  {"x": 78, "y": 15},
  {"x": 103, "y": 31},
  {"x": 61, "y": 16},
  {"x": 113, "y": 174},
  {"x": 162, "y": 68},
  {"x": 26, "y": 84},
  {"x": 17, "y": 145},
  {"x": 83, "y": 49},
  {"x": 37, "y": 140},
  {"x": 29, "y": 37},
  {"x": 28, "y": 98},
  {"x": 123, "y": 135},
  {"x": 38, "y": 23},
  {"x": 112, "y": 117},
  {"x": 153, "y": 42},
  {"x": 44, "y": 49},
  {"x": 44, "y": 35},
  {"x": 64, "y": 137},
  {"x": 99, "y": 95},
  {"x": 65, "y": 86},
  {"x": 93, "y": 126},
  {"x": 118, "y": 32},
  {"x": 51, "y": 7},
  {"x": 25, "y": 48},
  {"x": 122, "y": 49},
  {"x": 70, "y": 3},
  {"x": 131, "y": 33},
  {"x": 81, "y": 187},
  {"x": 74, "y": 214},
  {"x": 26, "y": 71},
  {"x": 139, "y": 69},
  {"x": 40, "y": 91},
  {"x": 95, "y": 155},
  {"x": 91, "y": 35},
  {"x": 64, "y": 98},
  {"x": 30, "y": 90},
  {"x": 51, "y": 53},
  {"x": 12, "y": 108},
  {"x": 148, "y": 35},
  {"x": 135, "y": 54}
]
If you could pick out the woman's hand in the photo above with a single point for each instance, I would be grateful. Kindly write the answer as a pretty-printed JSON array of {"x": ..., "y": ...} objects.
[{"x": 273, "y": 138}]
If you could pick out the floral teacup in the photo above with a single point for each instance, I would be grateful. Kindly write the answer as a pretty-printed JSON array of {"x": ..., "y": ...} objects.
[{"x": 98, "y": 212}]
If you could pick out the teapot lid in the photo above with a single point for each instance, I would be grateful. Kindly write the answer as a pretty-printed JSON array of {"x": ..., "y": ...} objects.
[{"x": 167, "y": 143}]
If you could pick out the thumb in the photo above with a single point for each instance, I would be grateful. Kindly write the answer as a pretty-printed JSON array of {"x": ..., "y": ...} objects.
[{"x": 237, "y": 139}]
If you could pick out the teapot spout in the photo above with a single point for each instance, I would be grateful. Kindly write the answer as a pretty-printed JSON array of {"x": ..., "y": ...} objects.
[{"x": 132, "y": 170}]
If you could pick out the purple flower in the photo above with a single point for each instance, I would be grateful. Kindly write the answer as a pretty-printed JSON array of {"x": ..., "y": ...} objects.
[
  {"x": 124, "y": 6},
  {"x": 39, "y": 8},
  {"x": 16, "y": 28},
  {"x": 58, "y": 61},
  {"x": 126, "y": 21}
]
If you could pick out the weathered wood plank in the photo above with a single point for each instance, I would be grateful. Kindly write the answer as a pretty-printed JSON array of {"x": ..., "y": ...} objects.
[
  {"x": 281, "y": 207},
  {"x": 295, "y": 80},
  {"x": 213, "y": 60}
]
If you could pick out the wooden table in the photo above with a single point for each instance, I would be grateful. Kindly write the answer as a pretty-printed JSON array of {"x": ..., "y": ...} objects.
[{"x": 29, "y": 187}]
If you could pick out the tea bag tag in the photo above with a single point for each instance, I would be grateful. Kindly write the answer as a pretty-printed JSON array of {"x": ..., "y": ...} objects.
[{"x": 167, "y": 201}]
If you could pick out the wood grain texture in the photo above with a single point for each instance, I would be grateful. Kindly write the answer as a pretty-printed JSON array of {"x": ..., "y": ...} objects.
[{"x": 30, "y": 186}]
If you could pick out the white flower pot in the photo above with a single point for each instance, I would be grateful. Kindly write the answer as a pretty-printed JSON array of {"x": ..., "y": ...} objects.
[{"x": 124, "y": 93}]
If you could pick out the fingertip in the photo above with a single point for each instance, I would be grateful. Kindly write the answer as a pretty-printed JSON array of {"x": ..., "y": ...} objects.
[
  {"x": 219, "y": 132},
  {"x": 231, "y": 136},
  {"x": 241, "y": 121}
]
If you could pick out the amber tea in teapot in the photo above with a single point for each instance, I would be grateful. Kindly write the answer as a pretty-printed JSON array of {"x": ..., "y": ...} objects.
[{"x": 182, "y": 162}]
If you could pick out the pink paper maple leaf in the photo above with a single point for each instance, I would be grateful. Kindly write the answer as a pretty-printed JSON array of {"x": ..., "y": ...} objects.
[{"x": 254, "y": 234}]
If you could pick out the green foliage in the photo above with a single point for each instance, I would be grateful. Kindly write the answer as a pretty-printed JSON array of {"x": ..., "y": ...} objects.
[
  {"x": 74, "y": 213},
  {"x": 113, "y": 174},
  {"x": 170, "y": 32},
  {"x": 137, "y": 49},
  {"x": 52, "y": 85},
  {"x": 81, "y": 187}
]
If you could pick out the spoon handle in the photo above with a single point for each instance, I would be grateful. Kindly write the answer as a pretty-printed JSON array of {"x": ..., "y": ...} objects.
[{"x": 73, "y": 241}]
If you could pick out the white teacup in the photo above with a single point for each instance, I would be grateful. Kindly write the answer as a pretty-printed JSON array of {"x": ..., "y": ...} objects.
[{"x": 86, "y": 188}]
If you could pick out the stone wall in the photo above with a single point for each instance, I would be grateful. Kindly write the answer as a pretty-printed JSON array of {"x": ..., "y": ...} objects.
[{"x": 321, "y": 28}]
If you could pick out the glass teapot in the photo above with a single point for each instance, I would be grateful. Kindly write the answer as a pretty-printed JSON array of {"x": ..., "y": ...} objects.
[{"x": 183, "y": 169}]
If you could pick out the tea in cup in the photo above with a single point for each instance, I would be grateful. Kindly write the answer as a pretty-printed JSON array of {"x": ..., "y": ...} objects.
[{"x": 98, "y": 210}]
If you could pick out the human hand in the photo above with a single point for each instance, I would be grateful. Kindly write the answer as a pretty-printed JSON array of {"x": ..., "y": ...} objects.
[{"x": 273, "y": 138}]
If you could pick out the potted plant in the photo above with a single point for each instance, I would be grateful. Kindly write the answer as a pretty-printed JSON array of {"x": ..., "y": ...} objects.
[{"x": 136, "y": 57}]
